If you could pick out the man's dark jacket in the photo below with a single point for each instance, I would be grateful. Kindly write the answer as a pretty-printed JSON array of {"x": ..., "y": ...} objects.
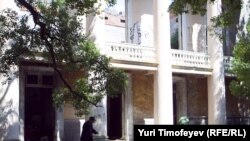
[{"x": 87, "y": 131}]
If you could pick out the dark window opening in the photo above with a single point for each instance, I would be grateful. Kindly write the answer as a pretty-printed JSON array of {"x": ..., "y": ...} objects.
[
  {"x": 47, "y": 80},
  {"x": 123, "y": 21},
  {"x": 32, "y": 79}
]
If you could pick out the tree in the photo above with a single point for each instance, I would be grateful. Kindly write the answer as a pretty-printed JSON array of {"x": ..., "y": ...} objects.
[
  {"x": 229, "y": 11},
  {"x": 241, "y": 65},
  {"x": 240, "y": 86},
  {"x": 57, "y": 37}
]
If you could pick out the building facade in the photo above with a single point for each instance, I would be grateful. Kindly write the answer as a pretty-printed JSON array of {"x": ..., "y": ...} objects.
[{"x": 165, "y": 84}]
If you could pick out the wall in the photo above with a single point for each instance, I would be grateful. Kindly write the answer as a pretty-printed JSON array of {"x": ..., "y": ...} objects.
[
  {"x": 70, "y": 77},
  {"x": 179, "y": 97},
  {"x": 114, "y": 34},
  {"x": 196, "y": 19},
  {"x": 72, "y": 123},
  {"x": 9, "y": 109},
  {"x": 140, "y": 7},
  {"x": 10, "y": 126},
  {"x": 143, "y": 97},
  {"x": 135, "y": 20},
  {"x": 197, "y": 98}
]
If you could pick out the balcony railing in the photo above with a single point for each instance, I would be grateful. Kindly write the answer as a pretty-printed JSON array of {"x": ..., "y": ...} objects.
[
  {"x": 198, "y": 120},
  {"x": 231, "y": 120},
  {"x": 238, "y": 120},
  {"x": 227, "y": 62},
  {"x": 190, "y": 59},
  {"x": 144, "y": 54},
  {"x": 131, "y": 52}
]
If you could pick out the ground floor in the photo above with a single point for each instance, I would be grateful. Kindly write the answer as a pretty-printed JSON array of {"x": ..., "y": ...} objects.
[{"x": 27, "y": 111}]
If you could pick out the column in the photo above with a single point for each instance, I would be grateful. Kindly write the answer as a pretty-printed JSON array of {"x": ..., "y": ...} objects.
[
  {"x": 163, "y": 91},
  {"x": 185, "y": 31},
  {"x": 216, "y": 84},
  {"x": 128, "y": 110},
  {"x": 95, "y": 28},
  {"x": 59, "y": 124},
  {"x": 129, "y": 24}
]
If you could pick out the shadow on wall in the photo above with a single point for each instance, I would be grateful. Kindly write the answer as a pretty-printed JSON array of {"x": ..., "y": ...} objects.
[
  {"x": 7, "y": 112},
  {"x": 7, "y": 115}
]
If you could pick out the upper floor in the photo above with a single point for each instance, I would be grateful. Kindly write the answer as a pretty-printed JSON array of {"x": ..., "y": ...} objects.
[
  {"x": 129, "y": 39},
  {"x": 188, "y": 36}
]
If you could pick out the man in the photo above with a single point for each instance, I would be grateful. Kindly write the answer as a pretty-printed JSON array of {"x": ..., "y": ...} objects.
[{"x": 88, "y": 130}]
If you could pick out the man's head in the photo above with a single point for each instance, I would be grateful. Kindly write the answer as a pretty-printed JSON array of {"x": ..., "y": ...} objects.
[{"x": 92, "y": 119}]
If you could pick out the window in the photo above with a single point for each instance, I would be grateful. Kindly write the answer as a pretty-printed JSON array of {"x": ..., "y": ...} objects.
[
  {"x": 39, "y": 80},
  {"x": 32, "y": 79}
]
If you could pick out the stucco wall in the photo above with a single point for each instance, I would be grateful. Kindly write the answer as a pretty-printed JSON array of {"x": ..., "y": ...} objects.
[
  {"x": 143, "y": 98},
  {"x": 114, "y": 34},
  {"x": 70, "y": 77},
  {"x": 9, "y": 109},
  {"x": 72, "y": 123}
]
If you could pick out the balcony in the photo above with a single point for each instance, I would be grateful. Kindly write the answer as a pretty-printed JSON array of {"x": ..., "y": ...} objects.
[
  {"x": 131, "y": 52},
  {"x": 143, "y": 55},
  {"x": 190, "y": 59}
]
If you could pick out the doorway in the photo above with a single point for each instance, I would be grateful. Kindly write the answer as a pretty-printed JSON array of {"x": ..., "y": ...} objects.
[
  {"x": 39, "y": 121},
  {"x": 114, "y": 112}
]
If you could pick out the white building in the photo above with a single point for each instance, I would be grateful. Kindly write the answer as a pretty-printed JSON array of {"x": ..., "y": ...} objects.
[{"x": 164, "y": 84}]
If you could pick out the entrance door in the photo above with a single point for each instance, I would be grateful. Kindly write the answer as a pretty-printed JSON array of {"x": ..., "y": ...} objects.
[
  {"x": 39, "y": 114},
  {"x": 114, "y": 112}
]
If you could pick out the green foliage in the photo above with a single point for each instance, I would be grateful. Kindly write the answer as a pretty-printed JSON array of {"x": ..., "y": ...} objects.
[
  {"x": 189, "y": 6},
  {"x": 87, "y": 6},
  {"x": 62, "y": 44},
  {"x": 229, "y": 15},
  {"x": 114, "y": 77},
  {"x": 184, "y": 120},
  {"x": 241, "y": 66}
]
